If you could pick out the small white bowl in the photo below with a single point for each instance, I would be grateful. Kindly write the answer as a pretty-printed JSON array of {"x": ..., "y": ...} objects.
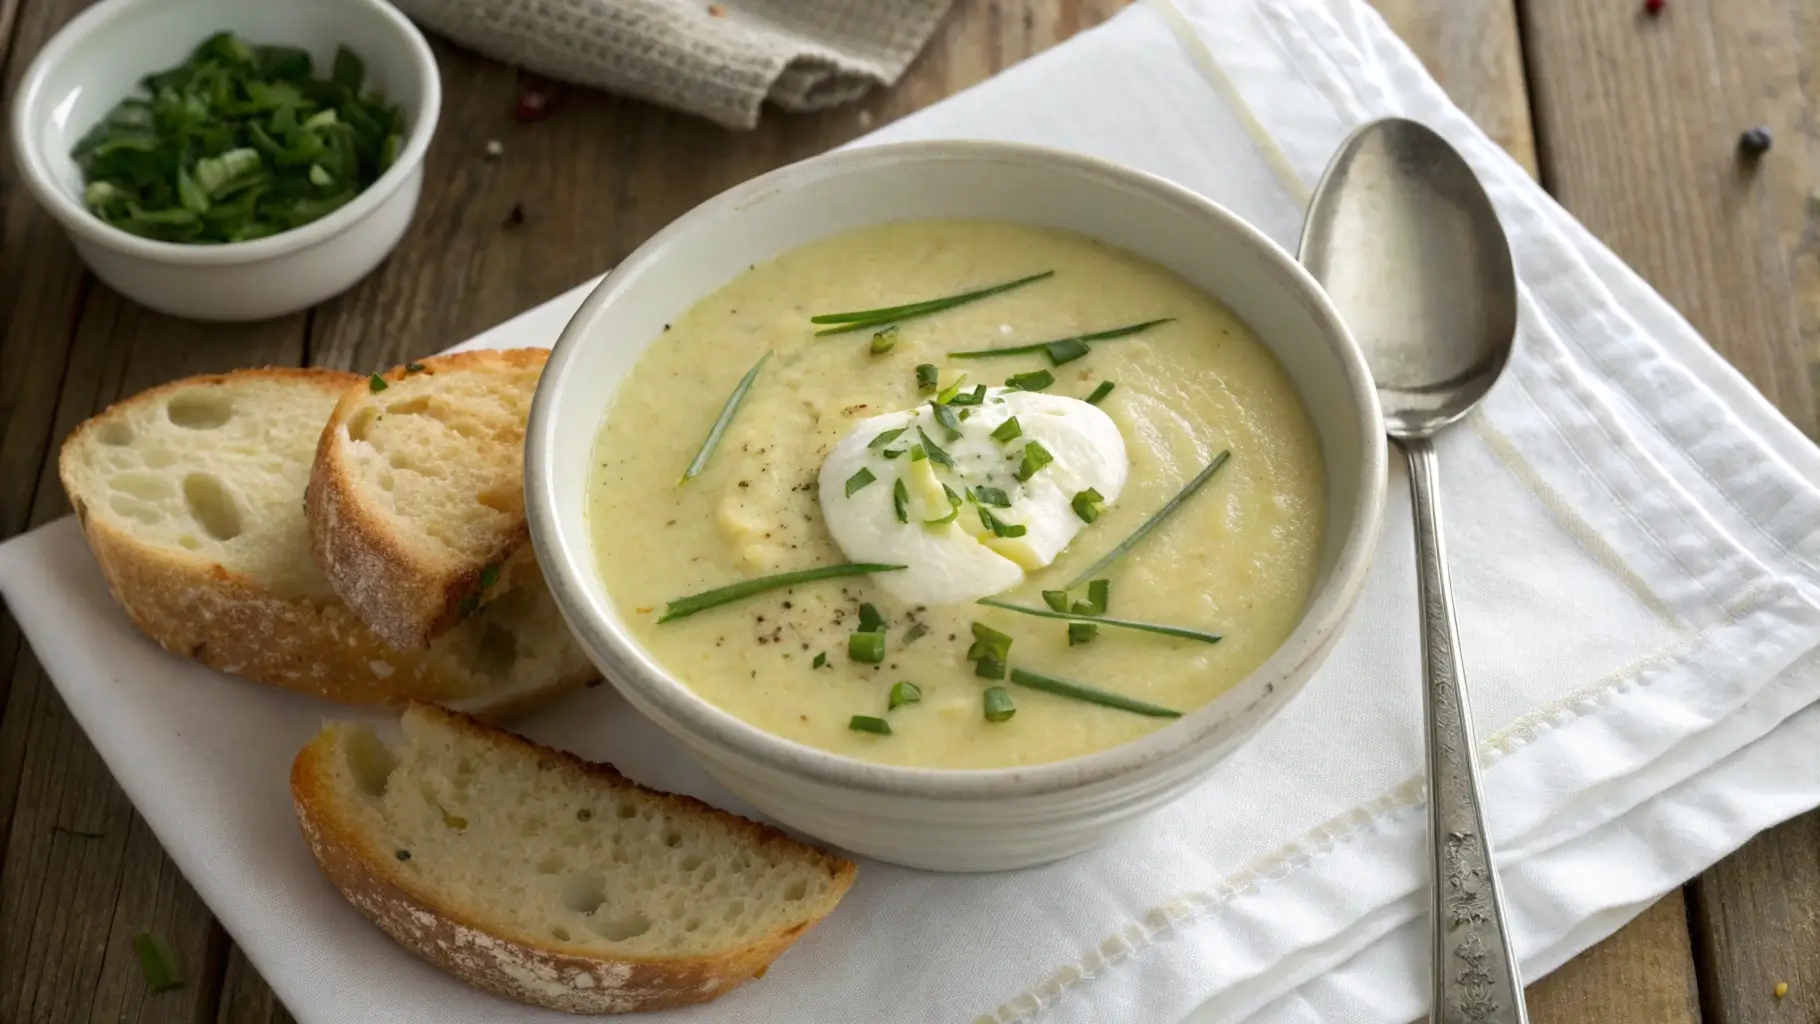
[
  {"x": 98, "y": 59},
  {"x": 954, "y": 820}
]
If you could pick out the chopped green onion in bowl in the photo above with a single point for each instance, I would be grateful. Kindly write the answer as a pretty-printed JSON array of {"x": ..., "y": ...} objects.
[{"x": 239, "y": 142}]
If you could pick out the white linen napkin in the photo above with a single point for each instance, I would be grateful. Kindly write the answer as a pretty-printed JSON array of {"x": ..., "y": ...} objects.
[{"x": 1633, "y": 539}]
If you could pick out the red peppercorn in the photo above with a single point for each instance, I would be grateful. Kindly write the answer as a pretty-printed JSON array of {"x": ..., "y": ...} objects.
[
  {"x": 1654, "y": 7},
  {"x": 532, "y": 106}
]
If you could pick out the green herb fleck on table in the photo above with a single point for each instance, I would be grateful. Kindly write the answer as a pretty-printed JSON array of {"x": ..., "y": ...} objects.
[
  {"x": 157, "y": 963},
  {"x": 237, "y": 143}
]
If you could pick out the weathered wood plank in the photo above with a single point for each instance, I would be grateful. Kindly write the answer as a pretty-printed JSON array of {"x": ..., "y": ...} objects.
[
  {"x": 1641, "y": 975},
  {"x": 245, "y": 997},
  {"x": 1473, "y": 50},
  {"x": 1639, "y": 119}
]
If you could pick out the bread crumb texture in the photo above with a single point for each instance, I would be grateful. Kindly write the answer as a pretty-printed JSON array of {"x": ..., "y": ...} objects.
[{"x": 548, "y": 879}]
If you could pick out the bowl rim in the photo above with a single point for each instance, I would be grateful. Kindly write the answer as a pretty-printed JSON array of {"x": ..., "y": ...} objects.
[
  {"x": 30, "y": 158},
  {"x": 651, "y": 687}
]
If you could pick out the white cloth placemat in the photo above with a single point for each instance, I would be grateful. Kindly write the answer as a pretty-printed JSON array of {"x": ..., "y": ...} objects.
[{"x": 1633, "y": 533}]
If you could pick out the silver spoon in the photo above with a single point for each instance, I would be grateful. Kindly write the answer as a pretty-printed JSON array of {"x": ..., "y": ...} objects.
[{"x": 1406, "y": 243}]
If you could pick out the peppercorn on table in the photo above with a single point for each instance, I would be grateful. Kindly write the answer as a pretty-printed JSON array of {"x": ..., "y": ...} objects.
[{"x": 1681, "y": 132}]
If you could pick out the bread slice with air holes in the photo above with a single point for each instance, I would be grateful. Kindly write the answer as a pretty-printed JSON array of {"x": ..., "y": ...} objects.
[
  {"x": 191, "y": 497},
  {"x": 531, "y": 873},
  {"x": 417, "y": 492}
]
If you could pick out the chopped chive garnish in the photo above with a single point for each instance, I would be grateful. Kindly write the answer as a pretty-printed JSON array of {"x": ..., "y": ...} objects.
[
  {"x": 926, "y": 377},
  {"x": 990, "y": 651},
  {"x": 892, "y": 453},
  {"x": 882, "y": 341},
  {"x": 989, "y": 668},
  {"x": 1100, "y": 393},
  {"x": 1090, "y": 694},
  {"x": 975, "y": 397},
  {"x": 413, "y": 367},
  {"x": 720, "y": 422},
  {"x": 870, "y": 621},
  {"x": 953, "y": 514},
  {"x": 376, "y": 384},
  {"x": 1008, "y": 430},
  {"x": 76, "y": 833},
  {"x": 1035, "y": 458},
  {"x": 1087, "y": 505},
  {"x": 1035, "y": 380},
  {"x": 998, "y": 704},
  {"x": 1156, "y": 519},
  {"x": 685, "y": 606},
  {"x": 951, "y": 392},
  {"x": 1057, "y": 600},
  {"x": 866, "y": 723},
  {"x": 900, "y": 500},
  {"x": 1081, "y": 632},
  {"x": 935, "y": 451},
  {"x": 993, "y": 496},
  {"x": 886, "y": 437},
  {"x": 1061, "y": 350},
  {"x": 1099, "y": 597},
  {"x": 904, "y": 693},
  {"x": 999, "y": 527},
  {"x": 866, "y": 648},
  {"x": 156, "y": 962},
  {"x": 864, "y": 318},
  {"x": 915, "y": 633},
  {"x": 858, "y": 481},
  {"x": 917, "y": 454},
  {"x": 945, "y": 416},
  {"x": 1077, "y": 615},
  {"x": 821, "y": 660}
]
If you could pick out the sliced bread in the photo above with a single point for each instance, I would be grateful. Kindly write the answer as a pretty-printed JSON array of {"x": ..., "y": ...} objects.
[
  {"x": 531, "y": 873},
  {"x": 417, "y": 492},
  {"x": 191, "y": 496}
]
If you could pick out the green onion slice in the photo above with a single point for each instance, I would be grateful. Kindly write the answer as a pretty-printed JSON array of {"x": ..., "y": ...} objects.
[
  {"x": 935, "y": 451},
  {"x": 156, "y": 962},
  {"x": 870, "y": 621},
  {"x": 720, "y": 422},
  {"x": 1086, "y": 505},
  {"x": 864, "y": 318},
  {"x": 858, "y": 481},
  {"x": 983, "y": 495},
  {"x": 900, "y": 500},
  {"x": 1035, "y": 458},
  {"x": 1035, "y": 380},
  {"x": 999, "y": 527},
  {"x": 376, "y": 384},
  {"x": 1156, "y": 519},
  {"x": 1099, "y": 597},
  {"x": 821, "y": 660},
  {"x": 1100, "y": 393},
  {"x": 1057, "y": 600},
  {"x": 1061, "y": 350},
  {"x": 1008, "y": 431},
  {"x": 686, "y": 606},
  {"x": 883, "y": 341},
  {"x": 1181, "y": 632},
  {"x": 926, "y": 377},
  {"x": 867, "y": 723},
  {"x": 1090, "y": 694},
  {"x": 904, "y": 693},
  {"x": 951, "y": 392},
  {"x": 886, "y": 437},
  {"x": 999, "y": 707},
  {"x": 945, "y": 416},
  {"x": 1081, "y": 632},
  {"x": 866, "y": 648}
]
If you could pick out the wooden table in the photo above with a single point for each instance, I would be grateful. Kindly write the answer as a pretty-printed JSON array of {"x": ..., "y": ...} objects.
[{"x": 1630, "y": 121}]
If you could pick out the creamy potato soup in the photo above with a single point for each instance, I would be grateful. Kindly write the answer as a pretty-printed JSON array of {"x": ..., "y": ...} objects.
[{"x": 869, "y": 448}]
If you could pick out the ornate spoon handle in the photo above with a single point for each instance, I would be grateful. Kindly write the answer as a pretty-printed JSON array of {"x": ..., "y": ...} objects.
[{"x": 1475, "y": 971}]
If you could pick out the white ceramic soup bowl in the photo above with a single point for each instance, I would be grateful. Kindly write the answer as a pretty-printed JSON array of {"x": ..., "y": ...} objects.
[
  {"x": 98, "y": 59},
  {"x": 973, "y": 820}
]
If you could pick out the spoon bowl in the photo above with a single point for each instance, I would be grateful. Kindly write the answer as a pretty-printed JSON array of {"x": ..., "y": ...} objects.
[{"x": 1404, "y": 240}]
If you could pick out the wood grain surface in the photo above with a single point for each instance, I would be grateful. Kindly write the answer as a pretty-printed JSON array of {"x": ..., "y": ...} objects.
[{"x": 1629, "y": 120}]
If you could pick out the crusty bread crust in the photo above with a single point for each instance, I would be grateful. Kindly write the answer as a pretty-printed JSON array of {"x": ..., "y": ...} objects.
[
  {"x": 519, "y": 966},
  {"x": 401, "y": 596},
  {"x": 194, "y": 607}
]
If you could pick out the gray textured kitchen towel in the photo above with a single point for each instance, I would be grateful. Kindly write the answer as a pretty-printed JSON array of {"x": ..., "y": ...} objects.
[{"x": 719, "y": 60}]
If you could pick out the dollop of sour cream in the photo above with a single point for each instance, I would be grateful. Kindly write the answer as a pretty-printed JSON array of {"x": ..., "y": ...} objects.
[{"x": 963, "y": 558}]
